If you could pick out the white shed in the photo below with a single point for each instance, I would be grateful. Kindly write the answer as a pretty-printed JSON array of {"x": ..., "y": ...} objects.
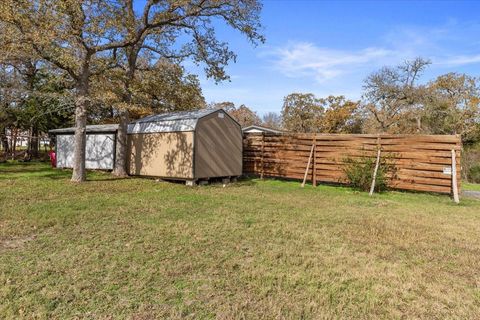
[{"x": 100, "y": 147}]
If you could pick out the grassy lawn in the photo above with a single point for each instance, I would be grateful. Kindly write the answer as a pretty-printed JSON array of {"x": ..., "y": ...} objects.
[
  {"x": 136, "y": 248},
  {"x": 470, "y": 186}
]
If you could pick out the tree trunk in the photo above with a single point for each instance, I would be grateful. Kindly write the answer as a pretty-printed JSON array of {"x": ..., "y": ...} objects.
[
  {"x": 81, "y": 105},
  {"x": 121, "y": 146},
  {"x": 5, "y": 146},
  {"x": 34, "y": 143},
  {"x": 14, "y": 142},
  {"x": 419, "y": 124}
]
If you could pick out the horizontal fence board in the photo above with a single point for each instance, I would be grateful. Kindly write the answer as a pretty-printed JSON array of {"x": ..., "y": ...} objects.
[{"x": 419, "y": 161}]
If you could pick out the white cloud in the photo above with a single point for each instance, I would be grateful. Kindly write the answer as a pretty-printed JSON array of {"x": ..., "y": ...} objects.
[
  {"x": 461, "y": 60},
  {"x": 304, "y": 59},
  {"x": 441, "y": 44}
]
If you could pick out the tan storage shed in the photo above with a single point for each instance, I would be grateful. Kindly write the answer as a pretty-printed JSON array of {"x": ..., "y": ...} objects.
[{"x": 191, "y": 145}]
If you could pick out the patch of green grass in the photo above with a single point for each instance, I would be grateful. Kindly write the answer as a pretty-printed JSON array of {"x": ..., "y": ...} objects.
[
  {"x": 470, "y": 186},
  {"x": 136, "y": 248}
]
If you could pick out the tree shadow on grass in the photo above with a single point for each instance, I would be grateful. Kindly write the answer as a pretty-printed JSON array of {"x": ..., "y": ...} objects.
[
  {"x": 39, "y": 174},
  {"x": 295, "y": 182},
  {"x": 246, "y": 181},
  {"x": 17, "y": 166},
  {"x": 42, "y": 171},
  {"x": 113, "y": 178},
  {"x": 25, "y": 170}
]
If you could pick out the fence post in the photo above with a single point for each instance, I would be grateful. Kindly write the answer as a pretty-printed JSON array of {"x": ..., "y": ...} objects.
[
  {"x": 308, "y": 166},
  {"x": 261, "y": 159},
  {"x": 314, "y": 169},
  {"x": 377, "y": 163},
  {"x": 454, "y": 177}
]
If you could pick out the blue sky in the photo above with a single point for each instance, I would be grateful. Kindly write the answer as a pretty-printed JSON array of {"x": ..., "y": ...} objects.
[{"x": 330, "y": 47}]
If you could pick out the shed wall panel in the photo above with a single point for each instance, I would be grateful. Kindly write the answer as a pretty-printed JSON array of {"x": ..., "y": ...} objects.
[
  {"x": 65, "y": 146},
  {"x": 99, "y": 153},
  {"x": 218, "y": 147},
  {"x": 165, "y": 154}
]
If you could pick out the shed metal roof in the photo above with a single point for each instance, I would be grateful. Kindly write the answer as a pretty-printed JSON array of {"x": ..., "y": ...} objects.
[
  {"x": 90, "y": 129},
  {"x": 170, "y": 122},
  {"x": 260, "y": 128}
]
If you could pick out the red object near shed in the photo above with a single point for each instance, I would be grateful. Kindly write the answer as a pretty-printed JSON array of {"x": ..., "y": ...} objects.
[{"x": 53, "y": 158}]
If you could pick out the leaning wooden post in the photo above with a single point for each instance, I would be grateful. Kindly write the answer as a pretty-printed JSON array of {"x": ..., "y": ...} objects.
[
  {"x": 377, "y": 163},
  {"x": 262, "y": 172},
  {"x": 454, "y": 178},
  {"x": 308, "y": 166},
  {"x": 314, "y": 169}
]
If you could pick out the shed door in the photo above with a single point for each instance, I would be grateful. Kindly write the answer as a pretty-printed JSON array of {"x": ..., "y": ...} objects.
[
  {"x": 100, "y": 152},
  {"x": 65, "y": 145}
]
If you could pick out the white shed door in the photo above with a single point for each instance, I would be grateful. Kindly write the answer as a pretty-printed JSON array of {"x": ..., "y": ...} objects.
[
  {"x": 100, "y": 151},
  {"x": 65, "y": 145}
]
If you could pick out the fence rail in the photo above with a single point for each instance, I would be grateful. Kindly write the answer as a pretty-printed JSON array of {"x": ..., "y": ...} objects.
[{"x": 420, "y": 162}]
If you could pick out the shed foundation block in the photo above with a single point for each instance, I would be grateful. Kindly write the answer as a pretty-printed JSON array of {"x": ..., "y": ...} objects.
[{"x": 190, "y": 183}]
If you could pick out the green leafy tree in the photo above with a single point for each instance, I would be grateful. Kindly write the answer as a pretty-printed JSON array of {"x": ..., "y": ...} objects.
[
  {"x": 162, "y": 87},
  {"x": 334, "y": 114},
  {"x": 31, "y": 97},
  {"x": 453, "y": 106},
  {"x": 341, "y": 115},
  {"x": 70, "y": 35},
  {"x": 302, "y": 113},
  {"x": 85, "y": 38}
]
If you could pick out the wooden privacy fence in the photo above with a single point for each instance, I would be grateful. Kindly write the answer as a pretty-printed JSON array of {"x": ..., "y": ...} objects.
[{"x": 419, "y": 162}]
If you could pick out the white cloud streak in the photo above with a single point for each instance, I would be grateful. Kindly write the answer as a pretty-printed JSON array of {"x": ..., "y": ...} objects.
[
  {"x": 461, "y": 60},
  {"x": 304, "y": 59}
]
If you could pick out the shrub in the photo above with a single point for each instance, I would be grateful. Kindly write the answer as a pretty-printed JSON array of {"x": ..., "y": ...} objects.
[
  {"x": 359, "y": 172},
  {"x": 474, "y": 174},
  {"x": 471, "y": 163}
]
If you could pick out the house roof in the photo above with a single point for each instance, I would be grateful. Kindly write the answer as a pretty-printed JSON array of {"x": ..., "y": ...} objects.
[
  {"x": 170, "y": 122},
  {"x": 90, "y": 129},
  {"x": 260, "y": 128}
]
